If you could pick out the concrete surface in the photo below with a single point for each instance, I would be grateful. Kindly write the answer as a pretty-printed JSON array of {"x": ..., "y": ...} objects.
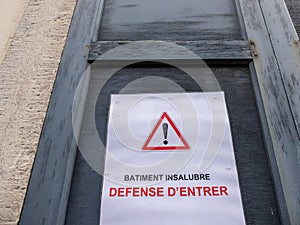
[{"x": 26, "y": 79}]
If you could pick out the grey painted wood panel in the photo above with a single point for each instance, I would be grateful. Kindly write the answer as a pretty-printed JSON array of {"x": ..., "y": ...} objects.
[
  {"x": 206, "y": 50},
  {"x": 48, "y": 191},
  {"x": 276, "y": 99},
  {"x": 169, "y": 20},
  {"x": 255, "y": 179},
  {"x": 285, "y": 42}
]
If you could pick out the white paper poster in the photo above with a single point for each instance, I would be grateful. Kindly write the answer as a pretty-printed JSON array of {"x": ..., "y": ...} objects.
[{"x": 170, "y": 161}]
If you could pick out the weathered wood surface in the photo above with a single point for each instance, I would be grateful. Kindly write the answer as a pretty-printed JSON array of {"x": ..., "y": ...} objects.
[
  {"x": 206, "y": 50},
  {"x": 252, "y": 162},
  {"x": 271, "y": 65},
  {"x": 285, "y": 42},
  {"x": 49, "y": 186},
  {"x": 169, "y": 20}
]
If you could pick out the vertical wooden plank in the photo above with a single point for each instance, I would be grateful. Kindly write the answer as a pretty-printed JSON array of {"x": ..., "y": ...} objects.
[
  {"x": 276, "y": 101},
  {"x": 47, "y": 196},
  {"x": 285, "y": 42}
]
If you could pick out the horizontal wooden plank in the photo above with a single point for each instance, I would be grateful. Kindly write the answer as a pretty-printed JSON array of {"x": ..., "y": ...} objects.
[{"x": 238, "y": 51}]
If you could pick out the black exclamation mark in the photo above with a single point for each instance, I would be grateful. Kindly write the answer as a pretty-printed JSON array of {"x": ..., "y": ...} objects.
[{"x": 165, "y": 129}]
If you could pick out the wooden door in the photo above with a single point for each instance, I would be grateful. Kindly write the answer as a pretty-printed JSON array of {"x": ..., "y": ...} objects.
[{"x": 212, "y": 29}]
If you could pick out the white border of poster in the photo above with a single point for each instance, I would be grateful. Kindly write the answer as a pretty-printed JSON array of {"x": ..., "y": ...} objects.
[{"x": 154, "y": 171}]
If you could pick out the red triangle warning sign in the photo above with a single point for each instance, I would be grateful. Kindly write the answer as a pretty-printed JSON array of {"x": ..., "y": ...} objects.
[{"x": 160, "y": 133}]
